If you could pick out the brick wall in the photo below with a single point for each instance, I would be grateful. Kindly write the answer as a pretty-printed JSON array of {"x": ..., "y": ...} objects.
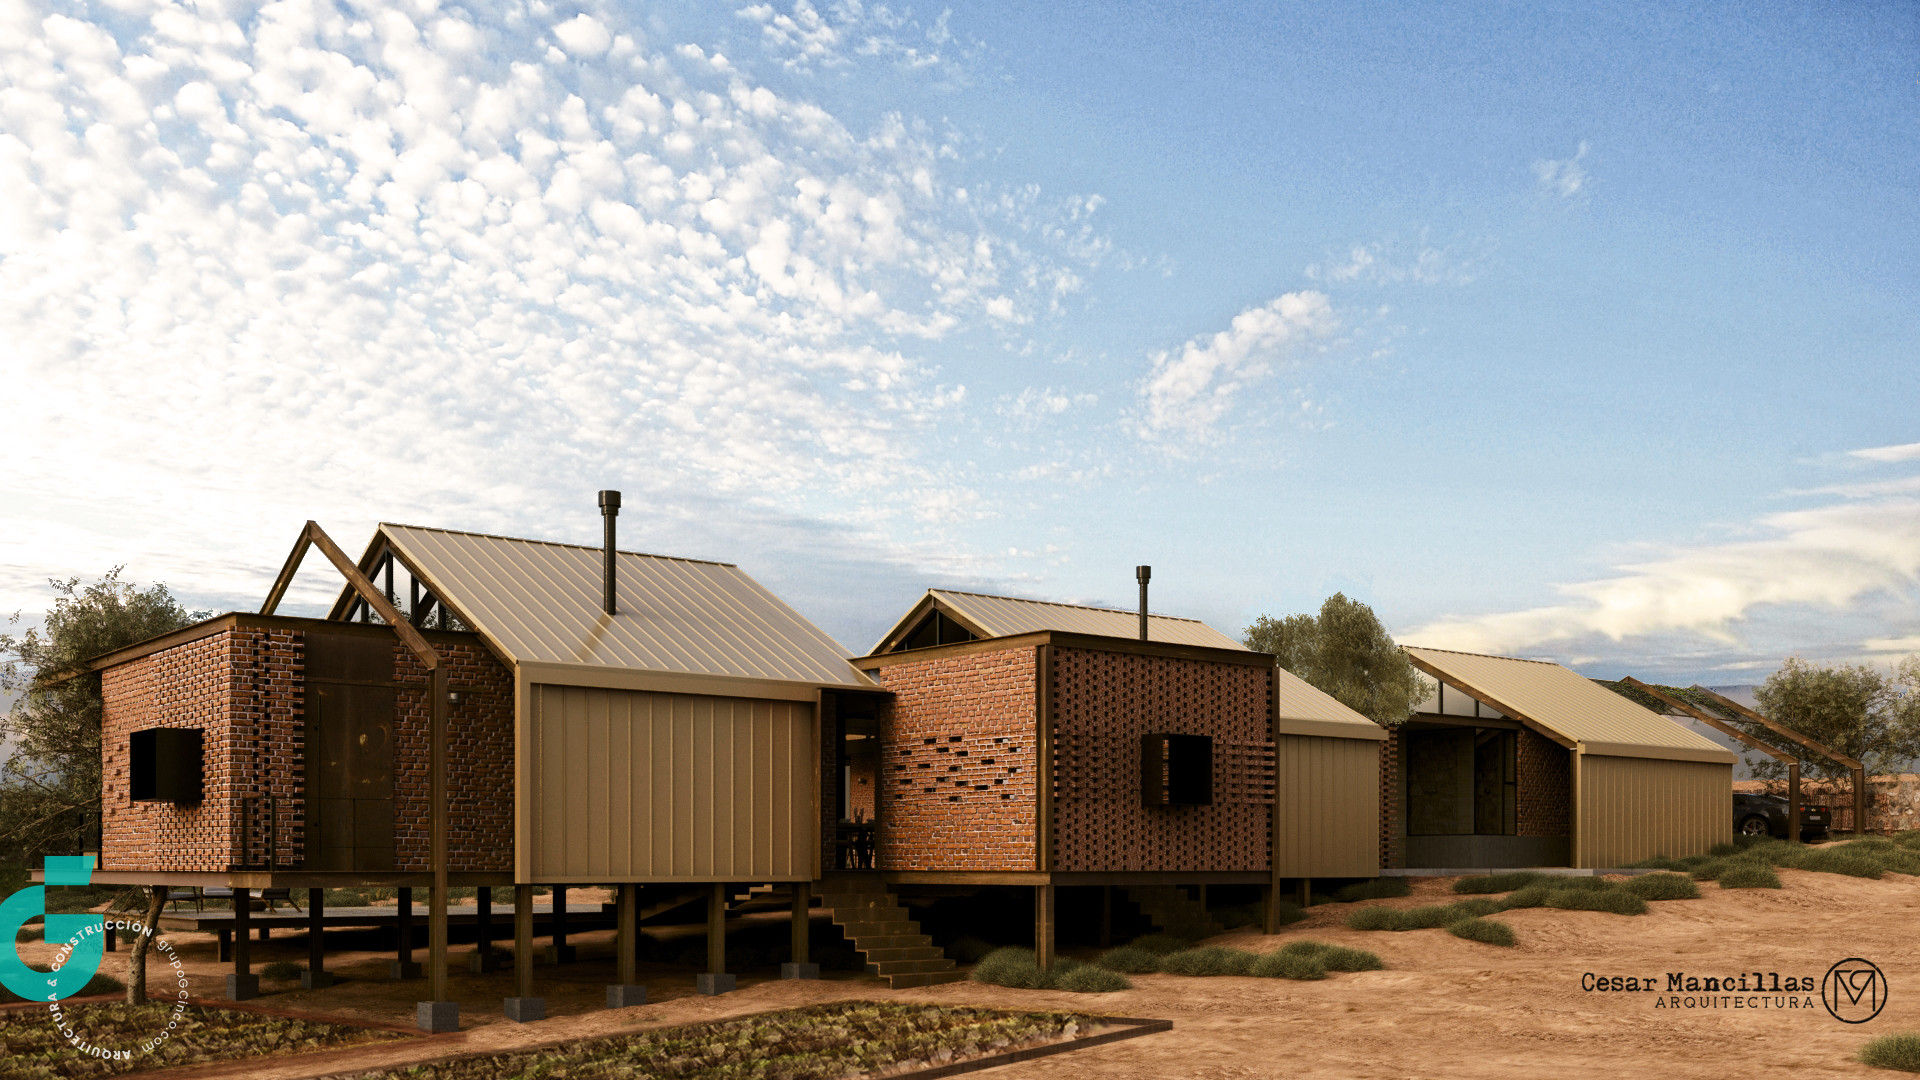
[
  {"x": 243, "y": 688},
  {"x": 956, "y": 784},
  {"x": 1893, "y": 800},
  {"x": 1103, "y": 702},
  {"x": 1393, "y": 843},
  {"x": 479, "y": 760},
  {"x": 1544, "y": 791}
]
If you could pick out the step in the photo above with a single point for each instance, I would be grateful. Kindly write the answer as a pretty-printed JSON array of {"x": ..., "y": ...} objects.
[
  {"x": 882, "y": 953},
  {"x": 859, "y": 928},
  {"x": 923, "y": 978},
  {"x": 858, "y": 901},
  {"x": 910, "y": 967},
  {"x": 889, "y": 941}
]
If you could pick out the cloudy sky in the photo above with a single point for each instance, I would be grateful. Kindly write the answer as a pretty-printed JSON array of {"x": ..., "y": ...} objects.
[{"x": 1588, "y": 336}]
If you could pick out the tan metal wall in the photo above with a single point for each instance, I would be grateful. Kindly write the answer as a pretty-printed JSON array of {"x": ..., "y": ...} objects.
[
  {"x": 1629, "y": 808},
  {"x": 629, "y": 785},
  {"x": 1328, "y": 823}
]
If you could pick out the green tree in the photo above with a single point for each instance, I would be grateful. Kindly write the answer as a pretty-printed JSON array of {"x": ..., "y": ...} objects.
[
  {"x": 1345, "y": 652},
  {"x": 1863, "y": 712},
  {"x": 50, "y": 783}
]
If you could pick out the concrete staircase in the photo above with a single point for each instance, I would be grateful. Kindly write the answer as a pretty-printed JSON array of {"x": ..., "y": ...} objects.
[
  {"x": 885, "y": 935},
  {"x": 1172, "y": 911}
]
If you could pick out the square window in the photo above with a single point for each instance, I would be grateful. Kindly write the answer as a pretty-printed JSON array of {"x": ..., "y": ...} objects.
[
  {"x": 164, "y": 765},
  {"x": 1176, "y": 770}
]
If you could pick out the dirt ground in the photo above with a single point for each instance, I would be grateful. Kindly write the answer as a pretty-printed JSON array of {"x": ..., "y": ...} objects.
[{"x": 1443, "y": 1008}]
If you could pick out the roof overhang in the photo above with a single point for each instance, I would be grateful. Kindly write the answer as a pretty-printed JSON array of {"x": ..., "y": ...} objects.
[
  {"x": 1095, "y": 642},
  {"x": 596, "y": 676}
]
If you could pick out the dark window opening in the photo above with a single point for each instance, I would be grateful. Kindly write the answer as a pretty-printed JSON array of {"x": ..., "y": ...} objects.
[
  {"x": 1462, "y": 781},
  {"x": 1176, "y": 770},
  {"x": 937, "y": 628},
  {"x": 164, "y": 765}
]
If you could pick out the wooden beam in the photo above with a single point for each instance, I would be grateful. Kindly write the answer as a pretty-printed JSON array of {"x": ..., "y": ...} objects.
[
  {"x": 287, "y": 570},
  {"x": 1711, "y": 721},
  {"x": 1489, "y": 699},
  {"x": 1741, "y": 710}
]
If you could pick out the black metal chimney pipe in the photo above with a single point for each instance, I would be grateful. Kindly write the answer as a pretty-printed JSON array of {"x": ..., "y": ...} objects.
[
  {"x": 609, "y": 510},
  {"x": 1142, "y": 573}
]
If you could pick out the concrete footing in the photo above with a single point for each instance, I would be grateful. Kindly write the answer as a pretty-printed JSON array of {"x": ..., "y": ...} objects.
[
  {"x": 437, "y": 1016},
  {"x": 799, "y": 971},
  {"x": 525, "y": 1010},
  {"x": 626, "y": 995},
  {"x": 708, "y": 982},
  {"x": 243, "y": 987}
]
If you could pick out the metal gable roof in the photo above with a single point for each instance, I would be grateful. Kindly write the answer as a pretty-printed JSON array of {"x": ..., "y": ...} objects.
[
  {"x": 1568, "y": 704},
  {"x": 540, "y": 603},
  {"x": 1004, "y": 616},
  {"x": 1307, "y": 709}
]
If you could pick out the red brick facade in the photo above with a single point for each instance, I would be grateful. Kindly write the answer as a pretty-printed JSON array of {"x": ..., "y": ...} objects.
[
  {"x": 1393, "y": 844},
  {"x": 1102, "y": 703},
  {"x": 956, "y": 785},
  {"x": 243, "y": 688},
  {"x": 1544, "y": 786},
  {"x": 479, "y": 761}
]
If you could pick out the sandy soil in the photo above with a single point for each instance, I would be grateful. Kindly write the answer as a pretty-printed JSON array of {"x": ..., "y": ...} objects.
[{"x": 1443, "y": 1008}]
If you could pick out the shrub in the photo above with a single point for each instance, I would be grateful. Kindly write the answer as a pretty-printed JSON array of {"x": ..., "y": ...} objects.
[
  {"x": 1376, "y": 889},
  {"x": 1614, "y": 901},
  {"x": 1373, "y": 918},
  {"x": 1010, "y": 967},
  {"x": 1663, "y": 887},
  {"x": 1658, "y": 862},
  {"x": 1131, "y": 959},
  {"x": 1161, "y": 944},
  {"x": 1485, "y": 931},
  {"x": 281, "y": 970},
  {"x": 1834, "y": 861},
  {"x": 1582, "y": 883},
  {"x": 1334, "y": 957},
  {"x": 1285, "y": 965},
  {"x": 1530, "y": 896},
  {"x": 1749, "y": 876},
  {"x": 1723, "y": 850},
  {"x": 1429, "y": 917},
  {"x": 1474, "y": 906},
  {"x": 1087, "y": 979},
  {"x": 1208, "y": 960},
  {"x": 1493, "y": 883},
  {"x": 1900, "y": 1051},
  {"x": 1711, "y": 869}
]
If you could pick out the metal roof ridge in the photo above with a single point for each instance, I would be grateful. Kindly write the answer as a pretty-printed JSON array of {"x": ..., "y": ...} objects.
[
  {"x": 1062, "y": 603},
  {"x": 1489, "y": 656},
  {"x": 553, "y": 543}
]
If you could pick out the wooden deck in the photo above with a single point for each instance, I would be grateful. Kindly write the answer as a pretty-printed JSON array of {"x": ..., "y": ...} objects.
[{"x": 579, "y": 917}]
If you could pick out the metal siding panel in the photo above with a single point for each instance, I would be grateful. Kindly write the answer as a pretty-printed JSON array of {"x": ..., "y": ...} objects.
[
  {"x": 596, "y": 844},
  {"x": 660, "y": 792},
  {"x": 1330, "y": 809}
]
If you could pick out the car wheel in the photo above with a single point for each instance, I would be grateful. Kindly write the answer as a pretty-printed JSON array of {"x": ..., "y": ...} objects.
[{"x": 1752, "y": 825}]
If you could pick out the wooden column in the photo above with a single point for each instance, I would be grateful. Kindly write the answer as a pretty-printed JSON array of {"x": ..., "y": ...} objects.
[
  {"x": 437, "y": 835},
  {"x": 558, "y": 952},
  {"x": 1043, "y": 927},
  {"x": 483, "y": 929},
  {"x": 1306, "y": 892},
  {"x": 626, "y": 937},
  {"x": 1860, "y": 801},
  {"x": 717, "y": 928},
  {"x": 316, "y": 974},
  {"x": 242, "y": 984},
  {"x": 1793, "y": 802},
  {"x": 403, "y": 965},
  {"x": 1106, "y": 916},
  {"x": 801, "y": 919},
  {"x": 523, "y": 1007},
  {"x": 1269, "y": 909}
]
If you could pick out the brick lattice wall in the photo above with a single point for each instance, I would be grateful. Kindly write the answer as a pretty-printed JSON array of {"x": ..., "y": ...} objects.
[
  {"x": 479, "y": 761},
  {"x": 1102, "y": 704},
  {"x": 1393, "y": 844},
  {"x": 1544, "y": 792},
  {"x": 243, "y": 688},
  {"x": 957, "y": 761}
]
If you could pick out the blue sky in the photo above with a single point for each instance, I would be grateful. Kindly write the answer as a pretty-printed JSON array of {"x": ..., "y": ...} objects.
[{"x": 1579, "y": 333}]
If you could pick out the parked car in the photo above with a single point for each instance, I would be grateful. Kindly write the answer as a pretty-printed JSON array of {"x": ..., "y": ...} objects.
[{"x": 1766, "y": 815}]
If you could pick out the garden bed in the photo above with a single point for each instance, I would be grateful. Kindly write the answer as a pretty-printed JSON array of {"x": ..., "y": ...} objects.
[
  {"x": 37, "y": 1049},
  {"x": 815, "y": 1042}
]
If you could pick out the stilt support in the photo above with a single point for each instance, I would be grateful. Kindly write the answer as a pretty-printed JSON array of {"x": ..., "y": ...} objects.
[
  {"x": 802, "y": 924},
  {"x": 715, "y": 979},
  {"x": 243, "y": 983},
  {"x": 1043, "y": 927},
  {"x": 523, "y": 1007},
  {"x": 316, "y": 977}
]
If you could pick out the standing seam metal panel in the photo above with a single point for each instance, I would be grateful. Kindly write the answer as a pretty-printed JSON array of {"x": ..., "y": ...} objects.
[
  {"x": 641, "y": 786},
  {"x": 1329, "y": 792},
  {"x": 1635, "y": 808}
]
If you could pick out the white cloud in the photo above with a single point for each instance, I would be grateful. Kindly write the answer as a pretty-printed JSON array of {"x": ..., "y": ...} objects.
[
  {"x": 1566, "y": 177},
  {"x": 1190, "y": 390},
  {"x": 1903, "y": 646},
  {"x": 808, "y": 38},
  {"x": 1393, "y": 262},
  {"x": 1902, "y": 452},
  {"x": 1806, "y": 568},
  {"x": 1041, "y": 403},
  {"x": 344, "y": 266}
]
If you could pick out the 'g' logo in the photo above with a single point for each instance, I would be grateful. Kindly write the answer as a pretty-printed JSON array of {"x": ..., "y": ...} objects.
[
  {"x": 88, "y": 947},
  {"x": 1854, "y": 991}
]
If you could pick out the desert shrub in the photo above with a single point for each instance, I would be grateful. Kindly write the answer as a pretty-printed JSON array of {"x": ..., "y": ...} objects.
[
  {"x": 1832, "y": 861},
  {"x": 1614, "y": 901},
  {"x": 1474, "y": 906},
  {"x": 1010, "y": 967},
  {"x": 1663, "y": 886},
  {"x": 1749, "y": 876},
  {"x": 1496, "y": 883},
  {"x": 1899, "y": 1051},
  {"x": 1207, "y": 960},
  {"x": 1485, "y": 931},
  {"x": 1130, "y": 959},
  {"x": 1582, "y": 883},
  {"x": 1373, "y": 918},
  {"x": 1909, "y": 838},
  {"x": 1723, "y": 850},
  {"x": 1429, "y": 917},
  {"x": 1334, "y": 957},
  {"x": 1161, "y": 944},
  {"x": 1286, "y": 965},
  {"x": 1658, "y": 862},
  {"x": 1530, "y": 896},
  {"x": 1377, "y": 889},
  {"x": 969, "y": 950},
  {"x": 33, "y": 931},
  {"x": 281, "y": 971},
  {"x": 1088, "y": 979}
]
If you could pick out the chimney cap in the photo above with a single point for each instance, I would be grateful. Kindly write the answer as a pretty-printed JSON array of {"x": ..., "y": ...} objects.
[
  {"x": 1142, "y": 573},
  {"x": 609, "y": 501}
]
